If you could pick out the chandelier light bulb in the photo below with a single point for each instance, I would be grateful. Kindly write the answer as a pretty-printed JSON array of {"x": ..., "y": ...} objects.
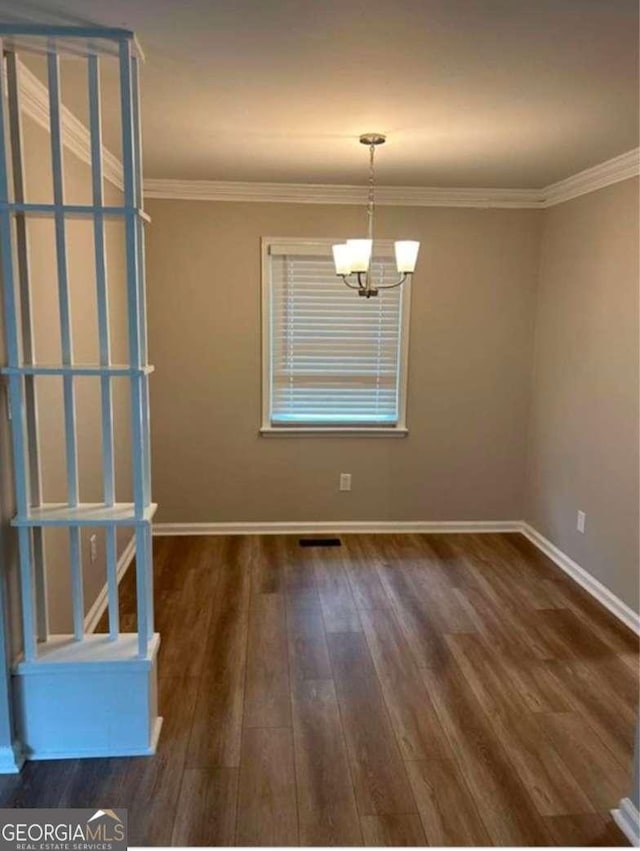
[
  {"x": 360, "y": 254},
  {"x": 342, "y": 258},
  {"x": 406, "y": 255}
]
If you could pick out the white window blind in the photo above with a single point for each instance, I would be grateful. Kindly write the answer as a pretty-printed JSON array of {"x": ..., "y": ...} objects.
[{"x": 335, "y": 357}]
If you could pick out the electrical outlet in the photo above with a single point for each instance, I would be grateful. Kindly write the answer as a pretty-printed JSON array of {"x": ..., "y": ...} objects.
[
  {"x": 582, "y": 519},
  {"x": 93, "y": 549},
  {"x": 345, "y": 481}
]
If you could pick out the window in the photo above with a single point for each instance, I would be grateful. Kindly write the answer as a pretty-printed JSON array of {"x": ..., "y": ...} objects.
[{"x": 332, "y": 361}]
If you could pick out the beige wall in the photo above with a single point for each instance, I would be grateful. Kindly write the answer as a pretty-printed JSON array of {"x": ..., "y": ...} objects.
[
  {"x": 470, "y": 356},
  {"x": 583, "y": 451},
  {"x": 46, "y": 326}
]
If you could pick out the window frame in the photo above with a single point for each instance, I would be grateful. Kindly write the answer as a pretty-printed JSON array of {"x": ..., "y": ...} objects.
[{"x": 267, "y": 429}]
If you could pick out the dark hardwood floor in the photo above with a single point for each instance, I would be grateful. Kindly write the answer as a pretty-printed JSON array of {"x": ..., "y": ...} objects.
[{"x": 397, "y": 690}]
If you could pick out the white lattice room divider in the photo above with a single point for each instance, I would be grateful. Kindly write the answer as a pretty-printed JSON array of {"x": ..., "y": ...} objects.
[{"x": 81, "y": 694}]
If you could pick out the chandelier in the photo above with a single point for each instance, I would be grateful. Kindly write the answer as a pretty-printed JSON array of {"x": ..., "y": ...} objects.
[{"x": 353, "y": 257}]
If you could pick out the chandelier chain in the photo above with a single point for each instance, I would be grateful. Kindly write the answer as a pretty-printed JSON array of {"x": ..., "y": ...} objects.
[{"x": 372, "y": 191}]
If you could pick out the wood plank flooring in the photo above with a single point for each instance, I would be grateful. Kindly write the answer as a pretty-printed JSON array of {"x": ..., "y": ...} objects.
[{"x": 397, "y": 690}]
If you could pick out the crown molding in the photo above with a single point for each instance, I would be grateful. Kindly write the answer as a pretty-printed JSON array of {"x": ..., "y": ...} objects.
[
  {"x": 315, "y": 193},
  {"x": 604, "y": 174},
  {"x": 34, "y": 102}
]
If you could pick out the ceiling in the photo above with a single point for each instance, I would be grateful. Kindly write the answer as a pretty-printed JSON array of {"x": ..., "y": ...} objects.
[{"x": 473, "y": 93}]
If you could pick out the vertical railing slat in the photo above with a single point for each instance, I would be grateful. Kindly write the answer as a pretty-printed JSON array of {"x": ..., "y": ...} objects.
[
  {"x": 28, "y": 343},
  {"x": 149, "y": 557},
  {"x": 95, "y": 127},
  {"x": 26, "y": 594},
  {"x": 142, "y": 294},
  {"x": 15, "y": 382},
  {"x": 112, "y": 582},
  {"x": 142, "y": 316},
  {"x": 130, "y": 163},
  {"x": 131, "y": 240},
  {"x": 142, "y": 588},
  {"x": 77, "y": 592},
  {"x": 57, "y": 169}
]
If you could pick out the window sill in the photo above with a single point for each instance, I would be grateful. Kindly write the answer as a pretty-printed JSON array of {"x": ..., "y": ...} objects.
[{"x": 332, "y": 431}]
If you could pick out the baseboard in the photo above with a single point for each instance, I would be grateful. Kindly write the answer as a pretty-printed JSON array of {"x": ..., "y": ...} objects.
[
  {"x": 365, "y": 527},
  {"x": 627, "y": 818},
  {"x": 11, "y": 759},
  {"x": 92, "y": 618},
  {"x": 601, "y": 593}
]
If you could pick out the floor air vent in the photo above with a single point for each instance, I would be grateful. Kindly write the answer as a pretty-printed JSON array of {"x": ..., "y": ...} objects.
[{"x": 320, "y": 542}]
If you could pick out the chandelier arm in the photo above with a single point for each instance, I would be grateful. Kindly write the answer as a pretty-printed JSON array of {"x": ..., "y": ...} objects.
[
  {"x": 351, "y": 286},
  {"x": 362, "y": 283},
  {"x": 392, "y": 286}
]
